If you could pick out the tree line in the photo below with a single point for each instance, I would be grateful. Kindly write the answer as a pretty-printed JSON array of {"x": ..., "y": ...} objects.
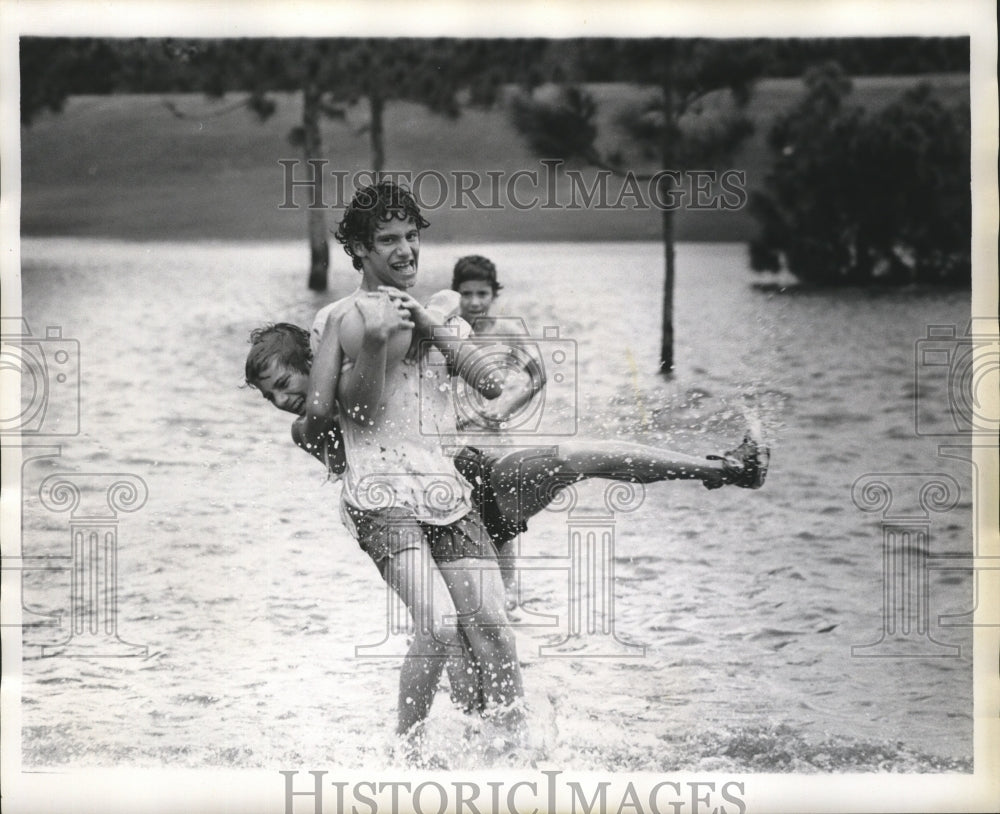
[
  {"x": 853, "y": 197},
  {"x": 53, "y": 68}
]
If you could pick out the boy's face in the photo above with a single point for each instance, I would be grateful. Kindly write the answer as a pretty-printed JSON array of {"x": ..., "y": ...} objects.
[
  {"x": 285, "y": 387},
  {"x": 392, "y": 260},
  {"x": 477, "y": 297}
]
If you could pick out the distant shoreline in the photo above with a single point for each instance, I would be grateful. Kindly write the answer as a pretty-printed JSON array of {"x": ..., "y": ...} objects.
[{"x": 125, "y": 167}]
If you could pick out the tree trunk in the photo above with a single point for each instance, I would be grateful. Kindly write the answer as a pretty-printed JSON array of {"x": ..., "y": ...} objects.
[
  {"x": 319, "y": 248},
  {"x": 377, "y": 104},
  {"x": 667, "y": 332},
  {"x": 667, "y": 136}
]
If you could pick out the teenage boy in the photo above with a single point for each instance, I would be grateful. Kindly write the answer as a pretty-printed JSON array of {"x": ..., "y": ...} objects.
[{"x": 411, "y": 511}]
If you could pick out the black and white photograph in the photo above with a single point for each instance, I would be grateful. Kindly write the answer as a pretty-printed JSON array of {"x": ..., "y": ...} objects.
[{"x": 518, "y": 408}]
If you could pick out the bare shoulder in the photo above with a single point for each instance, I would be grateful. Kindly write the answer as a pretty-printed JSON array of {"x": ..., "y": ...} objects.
[
  {"x": 329, "y": 317},
  {"x": 334, "y": 311},
  {"x": 350, "y": 325}
]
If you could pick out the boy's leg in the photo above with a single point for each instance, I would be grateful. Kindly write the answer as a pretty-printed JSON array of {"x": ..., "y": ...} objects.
[
  {"x": 744, "y": 466},
  {"x": 476, "y": 467},
  {"x": 638, "y": 463},
  {"x": 507, "y": 560},
  {"x": 414, "y": 576},
  {"x": 478, "y": 593},
  {"x": 526, "y": 481},
  {"x": 463, "y": 676}
]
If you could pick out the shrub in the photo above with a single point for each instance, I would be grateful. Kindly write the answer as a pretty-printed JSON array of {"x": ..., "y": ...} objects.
[{"x": 857, "y": 197}]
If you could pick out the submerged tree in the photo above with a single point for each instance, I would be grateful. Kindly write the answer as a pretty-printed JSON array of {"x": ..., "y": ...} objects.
[
  {"x": 261, "y": 67},
  {"x": 690, "y": 118},
  {"x": 333, "y": 75},
  {"x": 857, "y": 197},
  {"x": 329, "y": 75}
]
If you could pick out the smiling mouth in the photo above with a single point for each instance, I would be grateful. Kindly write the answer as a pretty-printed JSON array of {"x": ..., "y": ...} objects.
[{"x": 298, "y": 405}]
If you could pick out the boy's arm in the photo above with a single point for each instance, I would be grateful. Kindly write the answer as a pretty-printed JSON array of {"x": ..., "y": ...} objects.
[
  {"x": 324, "y": 375},
  {"x": 362, "y": 386},
  {"x": 441, "y": 307},
  {"x": 317, "y": 431}
]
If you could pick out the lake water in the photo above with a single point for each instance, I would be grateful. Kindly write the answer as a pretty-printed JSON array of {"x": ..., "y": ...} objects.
[{"x": 735, "y": 611}]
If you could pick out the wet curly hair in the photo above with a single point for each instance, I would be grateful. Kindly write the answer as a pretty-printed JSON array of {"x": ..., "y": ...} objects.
[
  {"x": 371, "y": 206},
  {"x": 287, "y": 343}
]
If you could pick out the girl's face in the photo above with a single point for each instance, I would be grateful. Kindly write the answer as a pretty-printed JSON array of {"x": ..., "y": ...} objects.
[{"x": 477, "y": 297}]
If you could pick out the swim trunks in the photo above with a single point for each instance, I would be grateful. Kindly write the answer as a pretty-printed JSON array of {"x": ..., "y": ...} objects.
[
  {"x": 384, "y": 533},
  {"x": 476, "y": 467}
]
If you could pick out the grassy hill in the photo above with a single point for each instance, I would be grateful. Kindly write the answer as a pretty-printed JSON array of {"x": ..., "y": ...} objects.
[{"x": 127, "y": 167}]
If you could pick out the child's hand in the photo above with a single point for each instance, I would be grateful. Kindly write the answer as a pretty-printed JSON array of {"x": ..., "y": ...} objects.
[
  {"x": 382, "y": 315},
  {"x": 423, "y": 320}
]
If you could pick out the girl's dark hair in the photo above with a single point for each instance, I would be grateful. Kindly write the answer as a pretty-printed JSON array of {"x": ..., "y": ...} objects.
[
  {"x": 372, "y": 206},
  {"x": 287, "y": 343},
  {"x": 475, "y": 267}
]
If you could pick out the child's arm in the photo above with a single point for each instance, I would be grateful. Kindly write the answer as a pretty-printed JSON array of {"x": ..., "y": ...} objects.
[
  {"x": 327, "y": 448},
  {"x": 519, "y": 387},
  {"x": 442, "y": 306},
  {"x": 457, "y": 351}
]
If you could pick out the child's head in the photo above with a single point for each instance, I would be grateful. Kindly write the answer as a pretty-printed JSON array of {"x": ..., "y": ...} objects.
[
  {"x": 475, "y": 278},
  {"x": 278, "y": 365},
  {"x": 371, "y": 207}
]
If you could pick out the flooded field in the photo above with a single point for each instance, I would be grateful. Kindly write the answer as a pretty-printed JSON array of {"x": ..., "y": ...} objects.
[{"x": 728, "y": 644}]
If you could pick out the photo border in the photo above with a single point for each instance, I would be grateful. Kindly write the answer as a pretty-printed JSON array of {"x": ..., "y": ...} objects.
[{"x": 202, "y": 790}]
